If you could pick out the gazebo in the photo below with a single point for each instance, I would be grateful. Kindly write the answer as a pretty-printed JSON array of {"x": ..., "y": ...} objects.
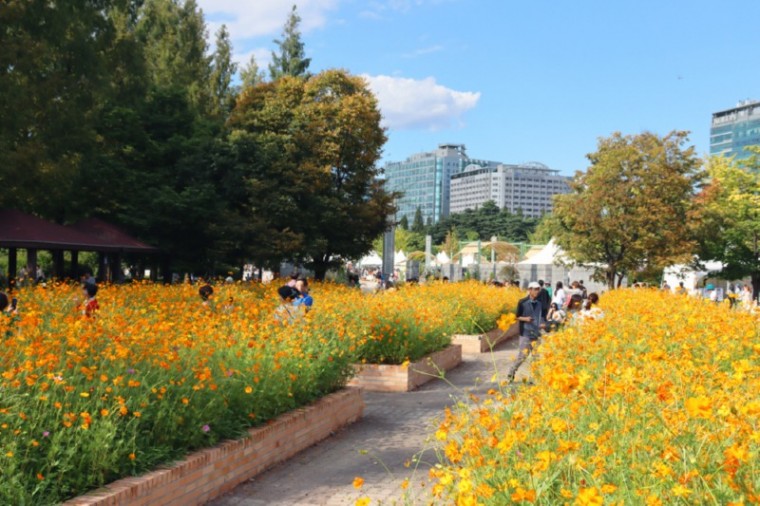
[{"x": 19, "y": 230}]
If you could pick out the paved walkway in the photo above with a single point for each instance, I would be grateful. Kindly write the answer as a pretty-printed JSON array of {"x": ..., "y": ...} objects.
[{"x": 395, "y": 428}]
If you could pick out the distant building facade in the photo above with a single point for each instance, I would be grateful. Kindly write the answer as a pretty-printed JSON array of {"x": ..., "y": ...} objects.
[
  {"x": 734, "y": 129},
  {"x": 528, "y": 187},
  {"x": 424, "y": 180}
]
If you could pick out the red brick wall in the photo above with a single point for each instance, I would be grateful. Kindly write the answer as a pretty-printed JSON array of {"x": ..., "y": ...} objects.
[
  {"x": 210, "y": 473},
  {"x": 482, "y": 343},
  {"x": 396, "y": 378}
]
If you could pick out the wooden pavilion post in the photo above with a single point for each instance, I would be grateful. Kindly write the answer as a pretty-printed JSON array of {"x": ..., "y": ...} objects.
[
  {"x": 102, "y": 276},
  {"x": 58, "y": 268},
  {"x": 74, "y": 269},
  {"x": 31, "y": 262},
  {"x": 12, "y": 267}
]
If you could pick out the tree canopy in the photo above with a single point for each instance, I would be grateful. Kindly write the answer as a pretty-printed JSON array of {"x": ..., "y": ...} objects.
[
  {"x": 729, "y": 216},
  {"x": 291, "y": 59},
  {"x": 627, "y": 212},
  {"x": 308, "y": 150}
]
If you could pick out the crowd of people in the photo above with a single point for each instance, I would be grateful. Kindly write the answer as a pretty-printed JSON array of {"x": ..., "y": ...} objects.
[{"x": 544, "y": 310}]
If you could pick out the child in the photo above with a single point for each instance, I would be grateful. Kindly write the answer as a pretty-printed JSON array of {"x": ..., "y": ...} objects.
[
  {"x": 303, "y": 300},
  {"x": 91, "y": 303},
  {"x": 206, "y": 291}
]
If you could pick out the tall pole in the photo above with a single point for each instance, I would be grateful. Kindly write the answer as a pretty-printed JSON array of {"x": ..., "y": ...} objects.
[
  {"x": 493, "y": 256},
  {"x": 389, "y": 251}
]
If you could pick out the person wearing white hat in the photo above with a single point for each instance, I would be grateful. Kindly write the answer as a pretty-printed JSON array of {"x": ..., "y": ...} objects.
[{"x": 532, "y": 317}]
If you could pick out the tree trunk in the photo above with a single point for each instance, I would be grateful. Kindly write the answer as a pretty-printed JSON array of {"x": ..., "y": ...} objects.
[
  {"x": 320, "y": 269},
  {"x": 755, "y": 285},
  {"x": 610, "y": 275}
]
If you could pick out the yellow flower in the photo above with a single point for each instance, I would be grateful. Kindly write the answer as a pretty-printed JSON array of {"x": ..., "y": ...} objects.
[
  {"x": 132, "y": 456},
  {"x": 653, "y": 500},
  {"x": 362, "y": 501},
  {"x": 699, "y": 407},
  {"x": 84, "y": 394},
  {"x": 9, "y": 454},
  {"x": 589, "y": 497},
  {"x": 248, "y": 390},
  {"x": 680, "y": 491},
  {"x": 405, "y": 484}
]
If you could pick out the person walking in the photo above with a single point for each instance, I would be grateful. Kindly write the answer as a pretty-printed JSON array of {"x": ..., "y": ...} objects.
[
  {"x": 532, "y": 316},
  {"x": 559, "y": 295},
  {"x": 543, "y": 296}
]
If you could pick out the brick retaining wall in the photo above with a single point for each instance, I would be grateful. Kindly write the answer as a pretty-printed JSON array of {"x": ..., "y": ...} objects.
[
  {"x": 209, "y": 473},
  {"x": 482, "y": 343},
  {"x": 397, "y": 378}
]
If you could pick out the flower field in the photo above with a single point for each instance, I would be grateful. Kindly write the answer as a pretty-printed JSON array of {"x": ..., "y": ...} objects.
[
  {"x": 155, "y": 374},
  {"x": 657, "y": 403}
]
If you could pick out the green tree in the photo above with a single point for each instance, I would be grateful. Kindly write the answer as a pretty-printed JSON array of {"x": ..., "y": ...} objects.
[
  {"x": 624, "y": 214},
  {"x": 308, "y": 151},
  {"x": 404, "y": 223},
  {"x": 450, "y": 244},
  {"x": 417, "y": 224},
  {"x": 53, "y": 78},
  {"x": 544, "y": 231},
  {"x": 173, "y": 37},
  {"x": 291, "y": 59},
  {"x": 729, "y": 217},
  {"x": 222, "y": 71},
  {"x": 251, "y": 74}
]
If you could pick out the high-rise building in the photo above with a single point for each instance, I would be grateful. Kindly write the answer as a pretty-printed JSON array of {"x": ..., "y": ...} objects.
[
  {"x": 734, "y": 129},
  {"x": 423, "y": 181},
  {"x": 528, "y": 187}
]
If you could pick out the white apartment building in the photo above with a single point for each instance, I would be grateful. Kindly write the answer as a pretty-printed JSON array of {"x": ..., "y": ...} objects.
[{"x": 528, "y": 187}]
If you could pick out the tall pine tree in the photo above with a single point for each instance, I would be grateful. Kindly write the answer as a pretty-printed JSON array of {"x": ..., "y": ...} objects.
[
  {"x": 291, "y": 59},
  {"x": 251, "y": 74},
  {"x": 222, "y": 71}
]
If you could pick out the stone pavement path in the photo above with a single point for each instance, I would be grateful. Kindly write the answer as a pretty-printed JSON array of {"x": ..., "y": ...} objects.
[{"x": 395, "y": 428}]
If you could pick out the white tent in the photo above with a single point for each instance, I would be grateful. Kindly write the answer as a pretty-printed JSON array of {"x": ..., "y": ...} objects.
[
  {"x": 690, "y": 277},
  {"x": 371, "y": 260},
  {"x": 549, "y": 255},
  {"x": 547, "y": 264},
  {"x": 442, "y": 258},
  {"x": 399, "y": 258}
]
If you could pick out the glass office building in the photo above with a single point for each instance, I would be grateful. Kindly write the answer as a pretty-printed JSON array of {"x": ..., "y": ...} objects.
[
  {"x": 423, "y": 180},
  {"x": 734, "y": 129}
]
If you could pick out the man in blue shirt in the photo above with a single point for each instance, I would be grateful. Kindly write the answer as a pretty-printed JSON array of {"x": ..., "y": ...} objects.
[
  {"x": 304, "y": 299},
  {"x": 532, "y": 316}
]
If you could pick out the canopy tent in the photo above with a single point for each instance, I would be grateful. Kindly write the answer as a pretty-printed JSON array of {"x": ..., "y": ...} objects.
[
  {"x": 548, "y": 255},
  {"x": 691, "y": 277},
  {"x": 551, "y": 265},
  {"x": 442, "y": 258},
  {"x": 371, "y": 260}
]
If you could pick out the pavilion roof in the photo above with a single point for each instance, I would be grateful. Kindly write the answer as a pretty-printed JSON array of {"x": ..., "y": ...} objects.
[{"x": 21, "y": 230}]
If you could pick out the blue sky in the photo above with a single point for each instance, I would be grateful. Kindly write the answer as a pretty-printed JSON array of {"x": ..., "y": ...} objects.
[{"x": 535, "y": 80}]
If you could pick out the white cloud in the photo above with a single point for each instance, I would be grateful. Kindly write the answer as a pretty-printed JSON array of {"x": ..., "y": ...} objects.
[
  {"x": 419, "y": 104},
  {"x": 255, "y": 18},
  {"x": 423, "y": 51},
  {"x": 263, "y": 58}
]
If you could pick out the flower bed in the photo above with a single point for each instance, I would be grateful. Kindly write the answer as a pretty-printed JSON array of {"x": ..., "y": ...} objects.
[
  {"x": 156, "y": 374},
  {"x": 210, "y": 473},
  {"x": 657, "y": 402},
  {"x": 406, "y": 377},
  {"x": 405, "y": 325},
  {"x": 508, "y": 328}
]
